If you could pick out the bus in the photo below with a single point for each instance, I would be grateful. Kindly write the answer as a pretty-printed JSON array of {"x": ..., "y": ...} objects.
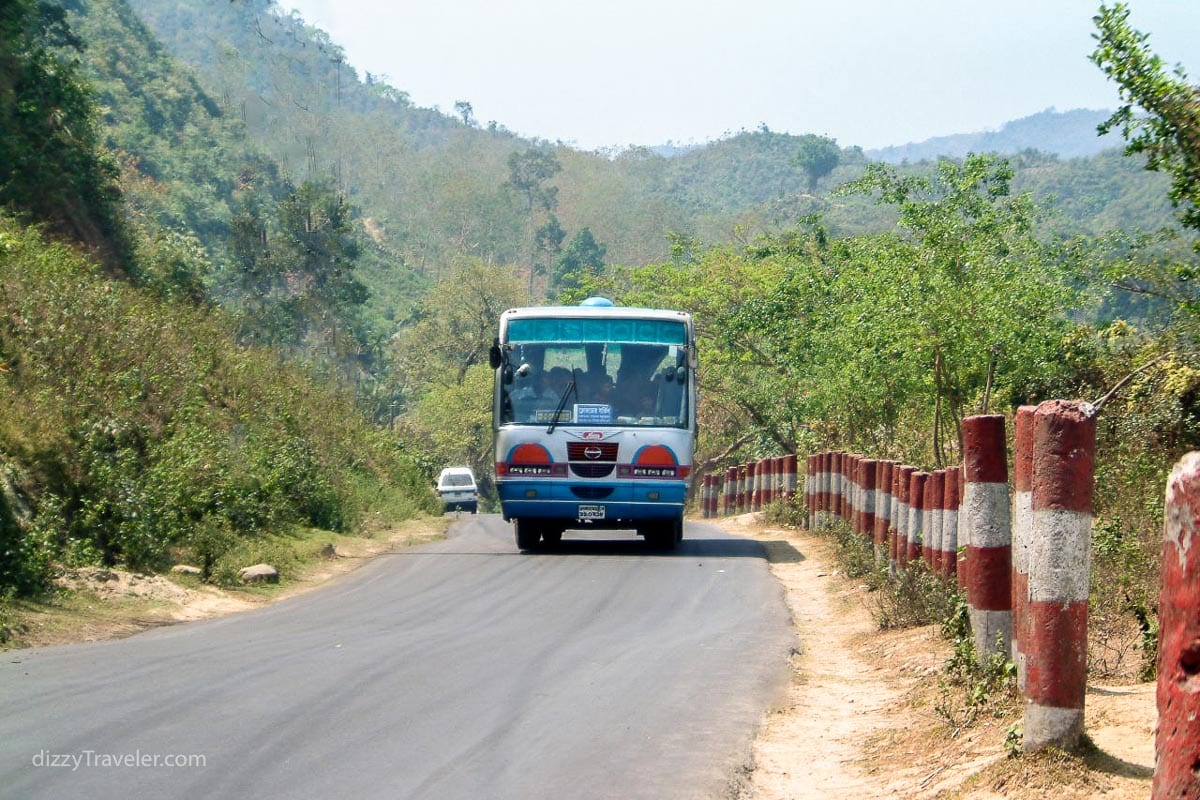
[{"x": 594, "y": 417}]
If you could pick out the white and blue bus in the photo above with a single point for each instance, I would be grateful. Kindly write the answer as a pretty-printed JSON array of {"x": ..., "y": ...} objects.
[{"x": 594, "y": 417}]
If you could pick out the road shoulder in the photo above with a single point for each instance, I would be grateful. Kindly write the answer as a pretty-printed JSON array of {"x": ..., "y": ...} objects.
[{"x": 862, "y": 720}]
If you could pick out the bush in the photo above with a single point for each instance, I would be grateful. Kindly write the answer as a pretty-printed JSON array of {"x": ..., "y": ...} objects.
[{"x": 146, "y": 428}]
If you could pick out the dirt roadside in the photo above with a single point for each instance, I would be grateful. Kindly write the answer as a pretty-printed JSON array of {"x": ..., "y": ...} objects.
[{"x": 861, "y": 719}]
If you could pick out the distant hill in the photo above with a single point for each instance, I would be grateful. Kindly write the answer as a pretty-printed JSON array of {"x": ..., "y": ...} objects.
[
  {"x": 431, "y": 189},
  {"x": 1067, "y": 134}
]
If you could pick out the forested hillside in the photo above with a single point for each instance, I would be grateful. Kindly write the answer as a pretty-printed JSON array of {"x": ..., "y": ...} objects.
[
  {"x": 146, "y": 422},
  {"x": 439, "y": 186}
]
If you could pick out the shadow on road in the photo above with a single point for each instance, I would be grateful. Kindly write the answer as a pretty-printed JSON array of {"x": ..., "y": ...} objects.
[{"x": 689, "y": 548}]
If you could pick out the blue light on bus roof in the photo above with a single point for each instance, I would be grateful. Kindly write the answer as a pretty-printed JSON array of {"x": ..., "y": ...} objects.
[{"x": 598, "y": 302}]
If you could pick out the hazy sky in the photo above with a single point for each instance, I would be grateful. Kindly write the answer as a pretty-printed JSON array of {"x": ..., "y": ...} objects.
[{"x": 866, "y": 72}]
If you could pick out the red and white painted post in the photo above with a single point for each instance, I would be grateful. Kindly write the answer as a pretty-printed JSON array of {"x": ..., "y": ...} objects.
[
  {"x": 847, "y": 487},
  {"x": 825, "y": 469},
  {"x": 1055, "y": 649},
  {"x": 855, "y": 488},
  {"x": 960, "y": 566},
  {"x": 893, "y": 517},
  {"x": 935, "y": 491},
  {"x": 988, "y": 534},
  {"x": 950, "y": 502},
  {"x": 791, "y": 476},
  {"x": 753, "y": 488},
  {"x": 1177, "y": 737},
  {"x": 905, "y": 518},
  {"x": 835, "y": 486},
  {"x": 745, "y": 483},
  {"x": 916, "y": 514},
  {"x": 1022, "y": 532},
  {"x": 867, "y": 473},
  {"x": 883, "y": 508},
  {"x": 730, "y": 490}
]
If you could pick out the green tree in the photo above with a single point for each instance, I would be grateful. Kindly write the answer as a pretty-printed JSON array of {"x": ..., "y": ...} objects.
[
  {"x": 818, "y": 156},
  {"x": 528, "y": 173},
  {"x": 294, "y": 269},
  {"x": 440, "y": 364},
  {"x": 453, "y": 326},
  {"x": 55, "y": 167},
  {"x": 548, "y": 241},
  {"x": 1160, "y": 113},
  {"x": 582, "y": 258}
]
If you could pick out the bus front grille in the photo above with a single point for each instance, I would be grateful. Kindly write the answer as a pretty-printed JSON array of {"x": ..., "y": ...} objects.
[{"x": 592, "y": 470}]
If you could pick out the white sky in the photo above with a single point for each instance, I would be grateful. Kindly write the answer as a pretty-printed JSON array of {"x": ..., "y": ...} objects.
[{"x": 866, "y": 72}]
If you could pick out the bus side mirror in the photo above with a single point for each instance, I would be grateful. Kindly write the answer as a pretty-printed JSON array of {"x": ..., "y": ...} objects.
[{"x": 495, "y": 355}]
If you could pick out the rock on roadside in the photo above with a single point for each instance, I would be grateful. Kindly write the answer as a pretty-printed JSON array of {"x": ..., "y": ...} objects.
[{"x": 259, "y": 573}]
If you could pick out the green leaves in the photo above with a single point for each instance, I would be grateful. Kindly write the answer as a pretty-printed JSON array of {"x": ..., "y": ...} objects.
[
  {"x": 1168, "y": 129},
  {"x": 882, "y": 342},
  {"x": 137, "y": 426}
]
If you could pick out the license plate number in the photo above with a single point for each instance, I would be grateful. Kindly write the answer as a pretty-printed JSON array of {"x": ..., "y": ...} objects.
[{"x": 591, "y": 512}]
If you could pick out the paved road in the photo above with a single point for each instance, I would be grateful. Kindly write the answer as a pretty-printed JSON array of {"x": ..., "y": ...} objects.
[{"x": 461, "y": 669}]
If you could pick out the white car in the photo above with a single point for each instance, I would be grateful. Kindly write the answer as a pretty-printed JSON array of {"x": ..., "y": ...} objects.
[{"x": 456, "y": 489}]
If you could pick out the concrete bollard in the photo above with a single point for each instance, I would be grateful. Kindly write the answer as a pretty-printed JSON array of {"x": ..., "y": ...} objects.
[
  {"x": 852, "y": 494},
  {"x": 1177, "y": 736},
  {"x": 812, "y": 489},
  {"x": 935, "y": 491},
  {"x": 810, "y": 503},
  {"x": 744, "y": 481},
  {"x": 752, "y": 490},
  {"x": 766, "y": 490},
  {"x": 867, "y": 474},
  {"x": 960, "y": 566},
  {"x": 835, "y": 486},
  {"x": 826, "y": 492},
  {"x": 988, "y": 535},
  {"x": 916, "y": 515},
  {"x": 950, "y": 502},
  {"x": 1022, "y": 531},
  {"x": 904, "y": 518},
  {"x": 893, "y": 515},
  {"x": 883, "y": 508},
  {"x": 1055, "y": 645},
  {"x": 780, "y": 491},
  {"x": 848, "y": 489},
  {"x": 730, "y": 490},
  {"x": 825, "y": 488},
  {"x": 854, "y": 516}
]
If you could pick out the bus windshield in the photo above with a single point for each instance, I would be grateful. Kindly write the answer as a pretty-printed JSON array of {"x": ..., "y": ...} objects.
[{"x": 595, "y": 383}]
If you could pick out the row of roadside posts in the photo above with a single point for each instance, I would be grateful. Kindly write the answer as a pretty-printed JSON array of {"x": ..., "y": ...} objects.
[{"x": 1021, "y": 554}]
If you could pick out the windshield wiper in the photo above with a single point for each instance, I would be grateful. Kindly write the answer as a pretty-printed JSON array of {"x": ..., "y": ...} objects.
[{"x": 562, "y": 401}]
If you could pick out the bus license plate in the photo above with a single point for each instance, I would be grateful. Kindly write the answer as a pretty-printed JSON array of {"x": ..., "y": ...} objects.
[{"x": 591, "y": 512}]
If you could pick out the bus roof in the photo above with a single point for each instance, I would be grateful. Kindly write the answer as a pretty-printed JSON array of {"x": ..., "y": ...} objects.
[
  {"x": 616, "y": 312},
  {"x": 596, "y": 324}
]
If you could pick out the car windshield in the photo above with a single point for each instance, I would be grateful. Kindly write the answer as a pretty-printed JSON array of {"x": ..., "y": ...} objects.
[
  {"x": 457, "y": 479},
  {"x": 595, "y": 383}
]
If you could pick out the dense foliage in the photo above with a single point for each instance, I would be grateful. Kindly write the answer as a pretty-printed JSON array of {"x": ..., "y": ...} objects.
[
  {"x": 132, "y": 425},
  {"x": 55, "y": 169}
]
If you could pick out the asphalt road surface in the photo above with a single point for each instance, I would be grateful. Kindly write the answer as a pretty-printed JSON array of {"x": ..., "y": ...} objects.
[{"x": 461, "y": 669}]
